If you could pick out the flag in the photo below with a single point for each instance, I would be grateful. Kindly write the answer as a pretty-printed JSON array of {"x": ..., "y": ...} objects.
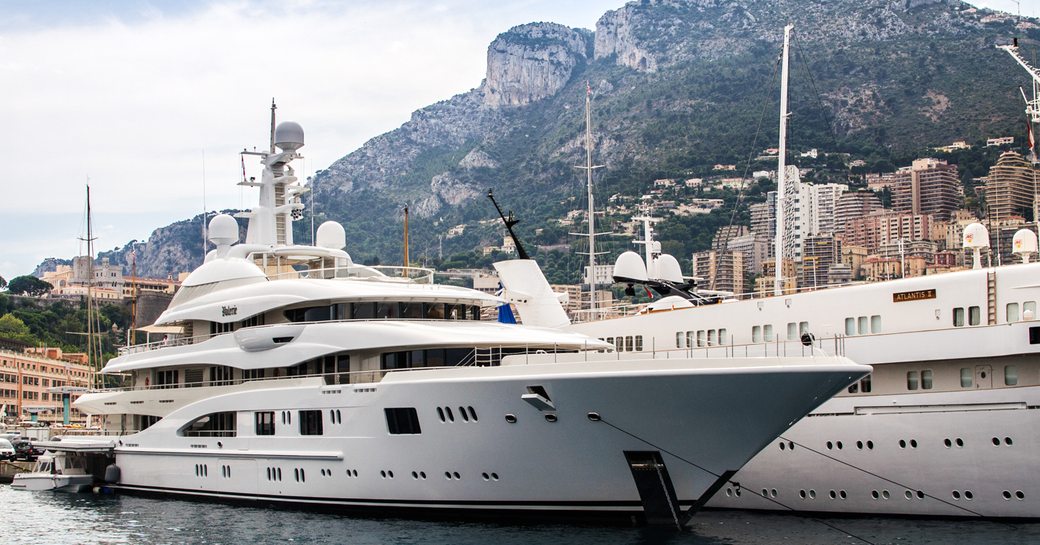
[{"x": 1029, "y": 134}]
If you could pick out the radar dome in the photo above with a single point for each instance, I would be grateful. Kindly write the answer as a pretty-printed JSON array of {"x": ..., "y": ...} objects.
[
  {"x": 629, "y": 267},
  {"x": 1024, "y": 242},
  {"x": 976, "y": 236},
  {"x": 288, "y": 136},
  {"x": 668, "y": 268},
  {"x": 223, "y": 230},
  {"x": 331, "y": 235}
]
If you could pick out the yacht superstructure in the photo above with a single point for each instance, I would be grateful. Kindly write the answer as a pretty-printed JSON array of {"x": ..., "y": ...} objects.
[{"x": 304, "y": 378}]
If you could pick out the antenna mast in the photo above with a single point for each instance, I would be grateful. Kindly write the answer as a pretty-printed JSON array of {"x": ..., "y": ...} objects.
[
  {"x": 781, "y": 167},
  {"x": 406, "y": 237},
  {"x": 592, "y": 209},
  {"x": 273, "y": 108},
  {"x": 509, "y": 223}
]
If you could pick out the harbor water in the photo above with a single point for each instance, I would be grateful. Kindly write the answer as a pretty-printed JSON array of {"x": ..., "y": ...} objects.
[{"x": 40, "y": 518}]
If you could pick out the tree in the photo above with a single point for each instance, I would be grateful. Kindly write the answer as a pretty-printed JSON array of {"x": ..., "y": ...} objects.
[
  {"x": 3, "y": 283},
  {"x": 13, "y": 328},
  {"x": 28, "y": 285}
]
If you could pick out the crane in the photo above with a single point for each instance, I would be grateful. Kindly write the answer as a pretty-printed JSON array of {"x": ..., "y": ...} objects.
[{"x": 1032, "y": 106}]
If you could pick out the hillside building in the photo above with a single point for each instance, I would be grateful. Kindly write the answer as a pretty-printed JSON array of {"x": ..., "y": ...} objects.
[
  {"x": 720, "y": 270},
  {"x": 927, "y": 186},
  {"x": 1010, "y": 187}
]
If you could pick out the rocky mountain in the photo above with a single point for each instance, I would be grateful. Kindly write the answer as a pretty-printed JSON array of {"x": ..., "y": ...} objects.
[{"x": 677, "y": 86}]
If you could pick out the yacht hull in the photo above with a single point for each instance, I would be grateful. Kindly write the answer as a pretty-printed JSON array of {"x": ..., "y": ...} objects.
[{"x": 565, "y": 458}]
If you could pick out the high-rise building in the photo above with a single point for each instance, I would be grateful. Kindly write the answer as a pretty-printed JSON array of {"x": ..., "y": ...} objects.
[
  {"x": 821, "y": 252},
  {"x": 722, "y": 271},
  {"x": 754, "y": 250},
  {"x": 1010, "y": 187},
  {"x": 763, "y": 218},
  {"x": 928, "y": 186},
  {"x": 855, "y": 204},
  {"x": 876, "y": 229},
  {"x": 725, "y": 234}
]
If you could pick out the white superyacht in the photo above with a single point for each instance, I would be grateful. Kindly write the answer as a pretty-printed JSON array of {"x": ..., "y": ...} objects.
[{"x": 304, "y": 378}]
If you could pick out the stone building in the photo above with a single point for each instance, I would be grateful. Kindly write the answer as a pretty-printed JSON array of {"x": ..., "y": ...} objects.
[{"x": 927, "y": 186}]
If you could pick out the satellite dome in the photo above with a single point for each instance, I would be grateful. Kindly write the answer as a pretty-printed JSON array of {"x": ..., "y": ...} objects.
[
  {"x": 668, "y": 268},
  {"x": 223, "y": 230},
  {"x": 629, "y": 267},
  {"x": 331, "y": 235},
  {"x": 1024, "y": 242},
  {"x": 288, "y": 136},
  {"x": 976, "y": 236}
]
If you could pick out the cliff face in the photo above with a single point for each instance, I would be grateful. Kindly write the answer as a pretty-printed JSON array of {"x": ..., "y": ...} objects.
[{"x": 531, "y": 62}]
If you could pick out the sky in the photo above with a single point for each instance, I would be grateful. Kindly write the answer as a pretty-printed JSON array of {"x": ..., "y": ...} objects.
[{"x": 150, "y": 101}]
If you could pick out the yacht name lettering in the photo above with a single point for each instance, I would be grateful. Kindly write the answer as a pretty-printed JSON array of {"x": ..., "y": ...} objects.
[
  {"x": 919, "y": 295},
  {"x": 228, "y": 311}
]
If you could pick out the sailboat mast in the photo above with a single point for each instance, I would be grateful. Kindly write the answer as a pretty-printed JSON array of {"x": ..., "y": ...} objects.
[
  {"x": 781, "y": 167},
  {"x": 592, "y": 209}
]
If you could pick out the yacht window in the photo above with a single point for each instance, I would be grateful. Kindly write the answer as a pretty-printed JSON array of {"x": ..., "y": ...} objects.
[
  {"x": 958, "y": 317},
  {"x": 474, "y": 312},
  {"x": 455, "y": 312},
  {"x": 803, "y": 328},
  {"x": 875, "y": 324},
  {"x": 619, "y": 344},
  {"x": 639, "y": 345},
  {"x": 1012, "y": 312},
  {"x": 194, "y": 377},
  {"x": 722, "y": 336},
  {"x": 862, "y": 322},
  {"x": 702, "y": 339},
  {"x": 711, "y": 337},
  {"x": 253, "y": 374},
  {"x": 412, "y": 310},
  {"x": 433, "y": 311},
  {"x": 363, "y": 311},
  {"x": 629, "y": 343},
  {"x": 211, "y": 425},
  {"x": 792, "y": 331},
  {"x": 974, "y": 316},
  {"x": 1029, "y": 310},
  {"x": 850, "y": 326},
  {"x": 966, "y": 377},
  {"x": 296, "y": 370},
  {"x": 1010, "y": 375},
  {"x": 854, "y": 388},
  {"x": 218, "y": 328},
  {"x": 926, "y": 379},
  {"x": 689, "y": 339},
  {"x": 435, "y": 357},
  {"x": 911, "y": 380},
  {"x": 767, "y": 333},
  {"x": 756, "y": 334},
  {"x": 402, "y": 421},
  {"x": 865, "y": 384},
  {"x": 264, "y": 422},
  {"x": 679, "y": 338},
  {"x": 310, "y": 423},
  {"x": 221, "y": 375},
  {"x": 387, "y": 310},
  {"x": 166, "y": 379}
]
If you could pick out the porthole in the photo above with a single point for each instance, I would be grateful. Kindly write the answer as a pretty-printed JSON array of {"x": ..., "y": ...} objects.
[
  {"x": 790, "y": 445},
  {"x": 830, "y": 446},
  {"x": 736, "y": 492},
  {"x": 485, "y": 476},
  {"x": 422, "y": 475},
  {"x": 968, "y": 495},
  {"x": 456, "y": 475},
  {"x": 996, "y": 441},
  {"x": 909, "y": 495},
  {"x": 913, "y": 443},
  {"x": 464, "y": 414},
  {"x": 382, "y": 474},
  {"x": 885, "y": 494},
  {"x": 783, "y": 445},
  {"x": 1007, "y": 494},
  {"x": 859, "y": 445},
  {"x": 773, "y": 492},
  {"x": 1020, "y": 495},
  {"x": 550, "y": 418},
  {"x": 960, "y": 442},
  {"x": 842, "y": 494},
  {"x": 920, "y": 495},
  {"x": 1008, "y": 441},
  {"x": 874, "y": 494},
  {"x": 801, "y": 494},
  {"x": 870, "y": 445},
  {"x": 838, "y": 444},
  {"x": 494, "y": 476},
  {"x": 812, "y": 494},
  {"x": 729, "y": 492},
  {"x": 765, "y": 493},
  {"x": 390, "y": 474},
  {"x": 451, "y": 415},
  {"x": 511, "y": 418},
  {"x": 902, "y": 443},
  {"x": 472, "y": 413},
  {"x": 415, "y": 475},
  {"x": 833, "y": 495},
  {"x": 440, "y": 413},
  {"x": 956, "y": 495},
  {"x": 447, "y": 475},
  {"x": 949, "y": 443}
]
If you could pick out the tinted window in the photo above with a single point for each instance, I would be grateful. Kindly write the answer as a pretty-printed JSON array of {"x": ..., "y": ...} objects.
[
  {"x": 400, "y": 421},
  {"x": 310, "y": 423}
]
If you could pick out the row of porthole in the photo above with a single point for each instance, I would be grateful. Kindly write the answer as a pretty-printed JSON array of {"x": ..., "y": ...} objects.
[
  {"x": 1007, "y": 441},
  {"x": 550, "y": 417},
  {"x": 201, "y": 470},
  {"x": 274, "y": 473},
  {"x": 958, "y": 441},
  {"x": 1018, "y": 495},
  {"x": 225, "y": 471},
  {"x": 859, "y": 445},
  {"x": 385, "y": 474},
  {"x": 326, "y": 472},
  {"x": 468, "y": 414}
]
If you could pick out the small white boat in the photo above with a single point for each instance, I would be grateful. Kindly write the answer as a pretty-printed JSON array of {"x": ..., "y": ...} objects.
[{"x": 55, "y": 471}]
